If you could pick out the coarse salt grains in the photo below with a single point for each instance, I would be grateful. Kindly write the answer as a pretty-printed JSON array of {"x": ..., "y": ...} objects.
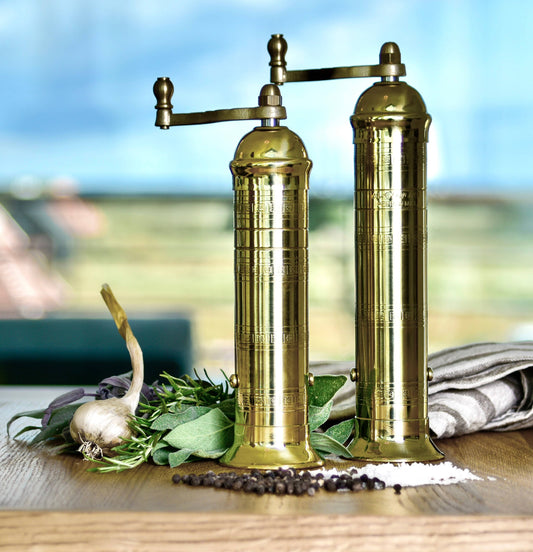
[{"x": 412, "y": 474}]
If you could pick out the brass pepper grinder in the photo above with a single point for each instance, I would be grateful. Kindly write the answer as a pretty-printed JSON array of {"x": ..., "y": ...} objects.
[
  {"x": 390, "y": 125},
  {"x": 270, "y": 182}
]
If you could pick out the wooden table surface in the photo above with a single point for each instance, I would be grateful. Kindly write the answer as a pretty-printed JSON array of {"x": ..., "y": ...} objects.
[{"x": 52, "y": 503}]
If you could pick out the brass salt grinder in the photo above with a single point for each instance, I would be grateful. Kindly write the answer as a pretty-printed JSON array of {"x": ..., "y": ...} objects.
[
  {"x": 390, "y": 126},
  {"x": 270, "y": 182}
]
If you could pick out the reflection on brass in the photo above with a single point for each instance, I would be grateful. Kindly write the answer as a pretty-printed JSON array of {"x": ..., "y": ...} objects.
[
  {"x": 270, "y": 181},
  {"x": 390, "y": 133}
]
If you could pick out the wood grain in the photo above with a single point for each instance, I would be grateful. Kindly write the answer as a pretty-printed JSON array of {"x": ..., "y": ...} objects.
[
  {"x": 149, "y": 531},
  {"x": 52, "y": 502}
]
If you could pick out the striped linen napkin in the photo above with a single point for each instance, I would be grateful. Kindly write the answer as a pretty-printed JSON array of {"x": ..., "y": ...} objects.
[{"x": 482, "y": 386}]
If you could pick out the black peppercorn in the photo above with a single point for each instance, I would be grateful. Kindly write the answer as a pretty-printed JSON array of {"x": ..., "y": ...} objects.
[
  {"x": 249, "y": 486},
  {"x": 330, "y": 486},
  {"x": 194, "y": 480},
  {"x": 357, "y": 485},
  {"x": 237, "y": 484},
  {"x": 209, "y": 480},
  {"x": 378, "y": 484},
  {"x": 340, "y": 483}
]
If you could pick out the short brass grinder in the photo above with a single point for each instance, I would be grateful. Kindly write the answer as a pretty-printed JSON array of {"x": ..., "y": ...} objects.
[
  {"x": 270, "y": 182},
  {"x": 390, "y": 125}
]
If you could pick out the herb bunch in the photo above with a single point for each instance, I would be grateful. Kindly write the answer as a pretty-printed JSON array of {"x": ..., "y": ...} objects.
[{"x": 182, "y": 420}]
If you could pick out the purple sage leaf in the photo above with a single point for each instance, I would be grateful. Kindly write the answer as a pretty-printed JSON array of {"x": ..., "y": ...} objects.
[{"x": 62, "y": 400}]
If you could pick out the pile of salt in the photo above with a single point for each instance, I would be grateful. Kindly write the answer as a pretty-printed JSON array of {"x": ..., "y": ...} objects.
[{"x": 410, "y": 475}]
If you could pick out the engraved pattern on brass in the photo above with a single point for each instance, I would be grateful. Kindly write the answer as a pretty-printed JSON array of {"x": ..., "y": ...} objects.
[
  {"x": 383, "y": 393},
  {"x": 256, "y": 400}
]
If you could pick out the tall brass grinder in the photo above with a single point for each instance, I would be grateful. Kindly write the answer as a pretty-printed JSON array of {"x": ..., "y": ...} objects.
[
  {"x": 270, "y": 181},
  {"x": 390, "y": 126}
]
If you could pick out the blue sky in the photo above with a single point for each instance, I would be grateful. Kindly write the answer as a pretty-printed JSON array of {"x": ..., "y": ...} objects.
[{"x": 77, "y": 77}]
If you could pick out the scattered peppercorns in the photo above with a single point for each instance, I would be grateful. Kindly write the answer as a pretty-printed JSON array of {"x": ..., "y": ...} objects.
[{"x": 284, "y": 482}]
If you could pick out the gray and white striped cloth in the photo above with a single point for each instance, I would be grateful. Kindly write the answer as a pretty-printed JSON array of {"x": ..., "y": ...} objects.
[{"x": 482, "y": 386}]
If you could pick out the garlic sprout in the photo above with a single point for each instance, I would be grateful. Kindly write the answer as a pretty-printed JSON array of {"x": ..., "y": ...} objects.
[{"x": 99, "y": 426}]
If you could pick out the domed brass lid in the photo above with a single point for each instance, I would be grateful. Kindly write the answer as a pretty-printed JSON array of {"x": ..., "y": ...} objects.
[
  {"x": 395, "y": 98},
  {"x": 269, "y": 144}
]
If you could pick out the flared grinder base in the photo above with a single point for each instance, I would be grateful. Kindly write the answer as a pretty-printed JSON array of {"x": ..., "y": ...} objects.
[
  {"x": 378, "y": 442},
  {"x": 268, "y": 455}
]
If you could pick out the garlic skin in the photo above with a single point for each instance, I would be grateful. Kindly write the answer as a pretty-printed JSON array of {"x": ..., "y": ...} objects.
[
  {"x": 98, "y": 426},
  {"x": 102, "y": 425}
]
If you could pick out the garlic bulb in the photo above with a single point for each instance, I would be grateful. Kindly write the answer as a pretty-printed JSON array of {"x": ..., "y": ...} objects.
[{"x": 98, "y": 426}]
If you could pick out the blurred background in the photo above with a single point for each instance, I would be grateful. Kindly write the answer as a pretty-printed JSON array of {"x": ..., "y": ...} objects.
[{"x": 91, "y": 191}]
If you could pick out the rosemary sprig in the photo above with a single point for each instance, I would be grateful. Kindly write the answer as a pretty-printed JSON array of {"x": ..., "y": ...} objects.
[{"x": 185, "y": 391}]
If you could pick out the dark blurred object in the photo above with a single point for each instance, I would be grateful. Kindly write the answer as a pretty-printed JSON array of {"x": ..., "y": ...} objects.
[{"x": 83, "y": 351}]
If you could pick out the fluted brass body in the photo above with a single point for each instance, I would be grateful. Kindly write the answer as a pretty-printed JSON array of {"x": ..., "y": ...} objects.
[
  {"x": 390, "y": 125},
  {"x": 270, "y": 181}
]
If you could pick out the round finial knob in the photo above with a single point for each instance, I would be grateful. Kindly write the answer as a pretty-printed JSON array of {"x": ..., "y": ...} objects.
[
  {"x": 277, "y": 48},
  {"x": 390, "y": 53},
  {"x": 163, "y": 90}
]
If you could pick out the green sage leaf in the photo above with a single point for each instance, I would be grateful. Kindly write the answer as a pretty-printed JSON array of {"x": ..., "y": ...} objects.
[
  {"x": 210, "y": 432},
  {"x": 341, "y": 431},
  {"x": 328, "y": 445},
  {"x": 169, "y": 421},
  {"x": 319, "y": 415},
  {"x": 210, "y": 453},
  {"x": 179, "y": 457},
  {"x": 324, "y": 389},
  {"x": 160, "y": 455}
]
